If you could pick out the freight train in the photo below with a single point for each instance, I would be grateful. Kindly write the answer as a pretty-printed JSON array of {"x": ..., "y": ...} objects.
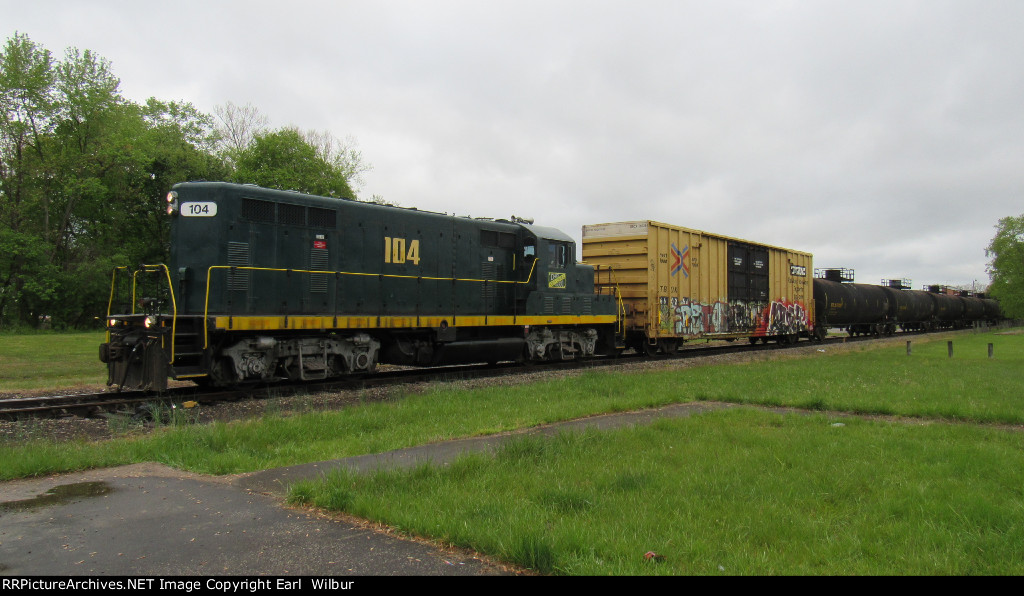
[
  {"x": 265, "y": 285},
  {"x": 679, "y": 284}
]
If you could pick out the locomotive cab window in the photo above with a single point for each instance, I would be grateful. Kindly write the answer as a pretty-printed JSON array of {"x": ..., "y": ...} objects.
[{"x": 558, "y": 255}]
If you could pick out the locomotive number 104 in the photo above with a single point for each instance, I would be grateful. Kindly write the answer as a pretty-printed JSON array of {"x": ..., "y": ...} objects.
[{"x": 395, "y": 251}]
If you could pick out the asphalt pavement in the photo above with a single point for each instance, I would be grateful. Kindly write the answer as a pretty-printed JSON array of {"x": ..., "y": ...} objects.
[{"x": 152, "y": 520}]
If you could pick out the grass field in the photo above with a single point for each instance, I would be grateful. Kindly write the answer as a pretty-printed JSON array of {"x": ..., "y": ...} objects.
[
  {"x": 50, "y": 361},
  {"x": 733, "y": 492}
]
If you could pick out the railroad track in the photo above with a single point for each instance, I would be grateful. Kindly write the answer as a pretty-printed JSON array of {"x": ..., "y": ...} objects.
[{"x": 98, "y": 404}]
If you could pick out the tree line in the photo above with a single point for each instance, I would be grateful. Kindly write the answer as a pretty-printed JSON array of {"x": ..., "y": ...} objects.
[{"x": 83, "y": 173}]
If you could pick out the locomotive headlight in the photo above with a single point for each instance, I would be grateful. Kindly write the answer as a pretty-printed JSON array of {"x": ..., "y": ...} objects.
[
  {"x": 172, "y": 203},
  {"x": 150, "y": 322}
]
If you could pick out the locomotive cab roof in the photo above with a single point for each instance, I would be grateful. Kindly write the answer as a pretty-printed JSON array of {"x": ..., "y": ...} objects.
[{"x": 546, "y": 233}]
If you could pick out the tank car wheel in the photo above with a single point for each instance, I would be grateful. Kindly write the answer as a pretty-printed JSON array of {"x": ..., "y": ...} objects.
[{"x": 752, "y": 340}]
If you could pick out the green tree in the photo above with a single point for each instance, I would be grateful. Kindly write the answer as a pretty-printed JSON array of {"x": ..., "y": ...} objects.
[
  {"x": 1007, "y": 266},
  {"x": 83, "y": 173},
  {"x": 27, "y": 80},
  {"x": 284, "y": 159}
]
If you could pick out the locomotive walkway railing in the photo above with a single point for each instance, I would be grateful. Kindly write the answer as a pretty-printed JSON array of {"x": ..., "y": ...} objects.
[
  {"x": 170, "y": 290},
  {"x": 209, "y": 273},
  {"x": 613, "y": 285}
]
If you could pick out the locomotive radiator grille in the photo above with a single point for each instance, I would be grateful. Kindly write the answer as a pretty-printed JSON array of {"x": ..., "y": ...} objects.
[
  {"x": 322, "y": 218},
  {"x": 258, "y": 211}
]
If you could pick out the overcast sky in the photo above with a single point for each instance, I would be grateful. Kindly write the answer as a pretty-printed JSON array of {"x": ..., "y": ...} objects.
[{"x": 884, "y": 136}]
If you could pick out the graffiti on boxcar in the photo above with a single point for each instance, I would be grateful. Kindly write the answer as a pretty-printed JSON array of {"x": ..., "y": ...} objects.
[
  {"x": 786, "y": 318},
  {"x": 745, "y": 315},
  {"x": 682, "y": 316}
]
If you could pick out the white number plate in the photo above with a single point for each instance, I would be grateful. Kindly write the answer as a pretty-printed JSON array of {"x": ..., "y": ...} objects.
[{"x": 199, "y": 209}]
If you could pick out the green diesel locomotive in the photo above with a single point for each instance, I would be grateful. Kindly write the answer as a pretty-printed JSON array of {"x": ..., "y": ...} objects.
[{"x": 264, "y": 285}]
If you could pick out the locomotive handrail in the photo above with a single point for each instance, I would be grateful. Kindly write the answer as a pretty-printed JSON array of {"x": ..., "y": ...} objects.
[
  {"x": 209, "y": 272},
  {"x": 110, "y": 301},
  {"x": 170, "y": 289},
  {"x": 613, "y": 285}
]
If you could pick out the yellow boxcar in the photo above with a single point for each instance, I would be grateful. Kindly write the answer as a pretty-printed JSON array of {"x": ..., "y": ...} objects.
[{"x": 678, "y": 284}]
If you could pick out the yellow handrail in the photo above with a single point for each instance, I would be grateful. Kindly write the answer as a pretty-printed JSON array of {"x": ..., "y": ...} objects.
[
  {"x": 110, "y": 301},
  {"x": 170, "y": 289},
  {"x": 209, "y": 271}
]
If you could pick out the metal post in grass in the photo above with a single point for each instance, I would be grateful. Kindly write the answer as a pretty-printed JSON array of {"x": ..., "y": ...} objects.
[
  {"x": 908, "y": 347},
  {"x": 991, "y": 348},
  {"x": 949, "y": 346}
]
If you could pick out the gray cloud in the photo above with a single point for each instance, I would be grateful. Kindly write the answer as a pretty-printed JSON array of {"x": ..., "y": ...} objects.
[{"x": 884, "y": 136}]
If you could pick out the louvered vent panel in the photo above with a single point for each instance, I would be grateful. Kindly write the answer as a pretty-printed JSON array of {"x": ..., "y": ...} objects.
[
  {"x": 487, "y": 271},
  {"x": 238, "y": 256},
  {"x": 318, "y": 262}
]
